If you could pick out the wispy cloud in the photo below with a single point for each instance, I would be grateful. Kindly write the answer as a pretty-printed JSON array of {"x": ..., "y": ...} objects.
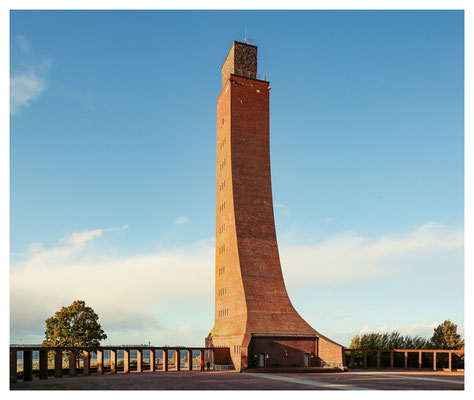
[
  {"x": 283, "y": 208},
  {"x": 135, "y": 293},
  {"x": 130, "y": 293},
  {"x": 83, "y": 96},
  {"x": 28, "y": 79},
  {"x": 37, "y": 256},
  {"x": 414, "y": 329},
  {"x": 349, "y": 257},
  {"x": 181, "y": 220},
  {"x": 24, "y": 88}
]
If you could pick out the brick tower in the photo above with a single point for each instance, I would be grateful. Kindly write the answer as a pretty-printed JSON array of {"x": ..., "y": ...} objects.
[{"x": 253, "y": 313}]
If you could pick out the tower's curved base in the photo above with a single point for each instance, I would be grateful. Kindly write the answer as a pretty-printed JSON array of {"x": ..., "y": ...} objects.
[{"x": 276, "y": 351}]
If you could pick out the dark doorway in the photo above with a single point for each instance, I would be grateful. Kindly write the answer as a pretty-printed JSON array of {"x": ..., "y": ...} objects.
[{"x": 306, "y": 359}]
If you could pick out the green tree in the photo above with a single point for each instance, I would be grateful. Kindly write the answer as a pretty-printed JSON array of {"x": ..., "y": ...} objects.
[
  {"x": 76, "y": 325},
  {"x": 392, "y": 340},
  {"x": 446, "y": 337}
]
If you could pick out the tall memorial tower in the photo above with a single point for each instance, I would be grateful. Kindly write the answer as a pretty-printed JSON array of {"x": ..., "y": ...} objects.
[{"x": 253, "y": 313}]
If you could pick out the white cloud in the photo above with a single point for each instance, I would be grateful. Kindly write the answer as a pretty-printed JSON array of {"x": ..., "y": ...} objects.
[
  {"x": 188, "y": 333},
  {"x": 23, "y": 45},
  {"x": 283, "y": 208},
  {"x": 414, "y": 329},
  {"x": 135, "y": 295},
  {"x": 38, "y": 257},
  {"x": 27, "y": 81},
  {"x": 329, "y": 220},
  {"x": 130, "y": 293},
  {"x": 85, "y": 97},
  {"x": 24, "y": 88},
  {"x": 181, "y": 220},
  {"x": 349, "y": 257}
]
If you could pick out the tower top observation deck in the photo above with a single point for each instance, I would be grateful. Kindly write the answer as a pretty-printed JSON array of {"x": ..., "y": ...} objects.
[{"x": 241, "y": 61}]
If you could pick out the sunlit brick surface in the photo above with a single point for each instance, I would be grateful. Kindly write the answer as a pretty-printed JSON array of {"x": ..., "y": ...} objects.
[{"x": 253, "y": 313}]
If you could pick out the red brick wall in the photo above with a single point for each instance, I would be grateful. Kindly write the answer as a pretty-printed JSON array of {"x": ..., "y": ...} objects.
[
  {"x": 283, "y": 352},
  {"x": 222, "y": 356},
  {"x": 330, "y": 353},
  {"x": 269, "y": 309},
  {"x": 250, "y": 294}
]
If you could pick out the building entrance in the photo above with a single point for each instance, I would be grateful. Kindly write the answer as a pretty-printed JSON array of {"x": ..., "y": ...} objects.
[{"x": 306, "y": 359}]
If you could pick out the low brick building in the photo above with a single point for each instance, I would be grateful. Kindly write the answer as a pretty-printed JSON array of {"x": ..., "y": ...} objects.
[{"x": 253, "y": 313}]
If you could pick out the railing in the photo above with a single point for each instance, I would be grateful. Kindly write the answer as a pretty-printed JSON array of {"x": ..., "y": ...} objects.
[
  {"x": 252, "y": 75},
  {"x": 73, "y": 366},
  {"x": 219, "y": 367},
  {"x": 359, "y": 358}
]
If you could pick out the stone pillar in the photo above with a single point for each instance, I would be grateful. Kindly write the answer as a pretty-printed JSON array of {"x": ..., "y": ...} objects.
[
  {"x": 113, "y": 361},
  {"x": 352, "y": 365},
  {"x": 58, "y": 363},
  {"x": 406, "y": 359},
  {"x": 139, "y": 360},
  {"x": 420, "y": 359},
  {"x": 126, "y": 361},
  {"x": 178, "y": 360},
  {"x": 72, "y": 363},
  {"x": 100, "y": 361},
  {"x": 43, "y": 364},
  {"x": 450, "y": 366},
  {"x": 152, "y": 360},
  {"x": 365, "y": 358},
  {"x": 378, "y": 359},
  {"x": 13, "y": 365},
  {"x": 165, "y": 359},
  {"x": 391, "y": 359},
  {"x": 86, "y": 359},
  {"x": 434, "y": 361},
  {"x": 190, "y": 360},
  {"x": 27, "y": 365}
]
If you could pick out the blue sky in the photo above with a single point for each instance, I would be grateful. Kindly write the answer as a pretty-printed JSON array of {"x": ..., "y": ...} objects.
[{"x": 112, "y": 166}]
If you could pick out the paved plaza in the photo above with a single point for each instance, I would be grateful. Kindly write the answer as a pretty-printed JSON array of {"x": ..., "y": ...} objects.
[{"x": 196, "y": 380}]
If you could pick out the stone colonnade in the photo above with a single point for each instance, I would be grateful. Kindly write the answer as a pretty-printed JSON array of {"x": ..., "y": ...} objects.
[
  {"x": 86, "y": 356},
  {"x": 405, "y": 354}
]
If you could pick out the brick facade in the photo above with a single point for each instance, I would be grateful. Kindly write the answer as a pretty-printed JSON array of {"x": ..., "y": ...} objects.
[{"x": 253, "y": 313}]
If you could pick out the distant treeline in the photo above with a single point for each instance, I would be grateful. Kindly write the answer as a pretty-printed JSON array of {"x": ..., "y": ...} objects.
[{"x": 445, "y": 337}]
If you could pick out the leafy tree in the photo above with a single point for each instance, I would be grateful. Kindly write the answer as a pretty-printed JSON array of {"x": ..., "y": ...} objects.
[
  {"x": 76, "y": 325},
  {"x": 446, "y": 337},
  {"x": 392, "y": 340}
]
